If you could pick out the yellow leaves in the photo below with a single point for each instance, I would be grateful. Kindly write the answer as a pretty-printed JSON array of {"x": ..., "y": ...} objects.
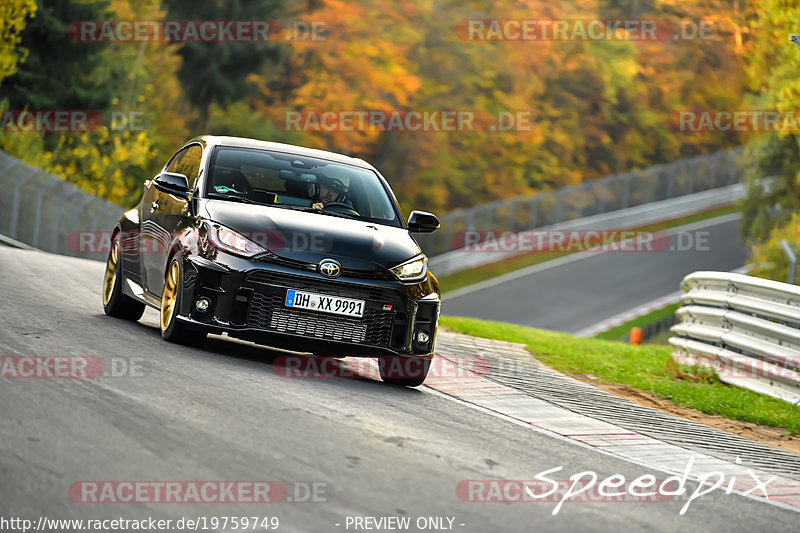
[
  {"x": 107, "y": 164},
  {"x": 13, "y": 16},
  {"x": 768, "y": 259}
]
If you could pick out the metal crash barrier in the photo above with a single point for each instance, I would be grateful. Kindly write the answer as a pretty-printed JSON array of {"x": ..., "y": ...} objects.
[{"x": 746, "y": 328}]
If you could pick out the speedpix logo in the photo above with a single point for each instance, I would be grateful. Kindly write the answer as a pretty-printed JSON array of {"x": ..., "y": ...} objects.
[{"x": 589, "y": 487}]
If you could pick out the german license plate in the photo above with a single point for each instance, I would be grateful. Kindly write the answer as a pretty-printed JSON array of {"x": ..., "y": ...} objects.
[{"x": 324, "y": 303}]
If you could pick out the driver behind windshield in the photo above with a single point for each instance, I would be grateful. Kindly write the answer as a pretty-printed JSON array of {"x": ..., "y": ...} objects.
[{"x": 330, "y": 189}]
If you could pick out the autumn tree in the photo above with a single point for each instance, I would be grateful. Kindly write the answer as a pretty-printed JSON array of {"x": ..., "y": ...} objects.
[
  {"x": 217, "y": 72},
  {"x": 774, "y": 85},
  {"x": 15, "y": 14},
  {"x": 60, "y": 73}
]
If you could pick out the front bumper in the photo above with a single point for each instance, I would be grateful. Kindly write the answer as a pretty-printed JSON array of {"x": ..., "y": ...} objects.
[{"x": 247, "y": 301}]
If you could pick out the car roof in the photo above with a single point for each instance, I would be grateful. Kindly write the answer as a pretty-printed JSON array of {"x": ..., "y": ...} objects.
[{"x": 242, "y": 142}]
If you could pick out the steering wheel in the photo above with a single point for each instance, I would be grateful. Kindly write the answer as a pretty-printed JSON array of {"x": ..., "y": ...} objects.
[{"x": 346, "y": 208}]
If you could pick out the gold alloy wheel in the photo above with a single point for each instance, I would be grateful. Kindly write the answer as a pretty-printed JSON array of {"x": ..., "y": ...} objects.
[
  {"x": 110, "y": 277},
  {"x": 169, "y": 296}
]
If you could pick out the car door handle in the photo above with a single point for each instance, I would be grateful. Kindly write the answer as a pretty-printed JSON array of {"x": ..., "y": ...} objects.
[{"x": 154, "y": 207}]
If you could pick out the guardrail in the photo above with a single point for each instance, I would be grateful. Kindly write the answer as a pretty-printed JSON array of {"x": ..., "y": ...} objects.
[
  {"x": 746, "y": 329},
  {"x": 45, "y": 212},
  {"x": 593, "y": 197},
  {"x": 463, "y": 259}
]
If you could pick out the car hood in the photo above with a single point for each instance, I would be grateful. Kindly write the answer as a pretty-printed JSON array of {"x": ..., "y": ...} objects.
[{"x": 310, "y": 237}]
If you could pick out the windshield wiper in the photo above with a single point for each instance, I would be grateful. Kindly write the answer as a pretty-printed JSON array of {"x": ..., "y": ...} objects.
[
  {"x": 242, "y": 199},
  {"x": 246, "y": 200},
  {"x": 323, "y": 212}
]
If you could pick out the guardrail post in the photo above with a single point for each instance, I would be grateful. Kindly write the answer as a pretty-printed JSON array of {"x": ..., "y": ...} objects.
[
  {"x": 692, "y": 171},
  {"x": 37, "y": 218},
  {"x": 17, "y": 200},
  {"x": 584, "y": 204},
  {"x": 651, "y": 183},
  {"x": 734, "y": 167},
  {"x": 601, "y": 186},
  {"x": 558, "y": 209},
  {"x": 54, "y": 247},
  {"x": 512, "y": 214},
  {"x": 76, "y": 218},
  {"x": 489, "y": 217},
  {"x": 469, "y": 219},
  {"x": 671, "y": 182},
  {"x": 714, "y": 165},
  {"x": 626, "y": 192},
  {"x": 534, "y": 211},
  {"x": 792, "y": 261}
]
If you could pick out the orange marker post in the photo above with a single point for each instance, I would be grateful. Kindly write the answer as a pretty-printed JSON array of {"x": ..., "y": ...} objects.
[{"x": 636, "y": 336}]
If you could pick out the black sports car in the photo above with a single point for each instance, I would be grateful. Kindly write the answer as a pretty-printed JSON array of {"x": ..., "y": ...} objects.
[{"x": 280, "y": 245}]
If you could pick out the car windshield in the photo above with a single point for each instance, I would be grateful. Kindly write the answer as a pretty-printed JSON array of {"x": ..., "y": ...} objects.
[{"x": 298, "y": 182}]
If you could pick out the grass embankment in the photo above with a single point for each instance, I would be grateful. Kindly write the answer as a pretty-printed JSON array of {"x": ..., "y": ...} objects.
[
  {"x": 465, "y": 278},
  {"x": 649, "y": 369}
]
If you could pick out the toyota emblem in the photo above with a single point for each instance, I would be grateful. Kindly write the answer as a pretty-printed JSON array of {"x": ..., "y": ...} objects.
[{"x": 330, "y": 268}]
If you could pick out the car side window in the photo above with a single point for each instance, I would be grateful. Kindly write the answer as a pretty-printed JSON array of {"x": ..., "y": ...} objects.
[
  {"x": 187, "y": 162},
  {"x": 173, "y": 163}
]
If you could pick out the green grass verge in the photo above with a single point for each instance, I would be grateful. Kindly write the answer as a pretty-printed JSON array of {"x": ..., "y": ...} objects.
[
  {"x": 619, "y": 332},
  {"x": 645, "y": 368},
  {"x": 465, "y": 278}
]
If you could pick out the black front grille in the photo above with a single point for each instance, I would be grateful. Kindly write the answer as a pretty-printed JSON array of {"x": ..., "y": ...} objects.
[{"x": 268, "y": 312}]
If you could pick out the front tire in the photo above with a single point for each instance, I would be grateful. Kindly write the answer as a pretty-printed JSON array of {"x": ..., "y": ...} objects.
[
  {"x": 115, "y": 303},
  {"x": 172, "y": 329},
  {"x": 404, "y": 371}
]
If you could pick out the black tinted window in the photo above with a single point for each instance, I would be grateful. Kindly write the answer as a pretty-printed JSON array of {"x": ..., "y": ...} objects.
[
  {"x": 274, "y": 178},
  {"x": 187, "y": 162}
]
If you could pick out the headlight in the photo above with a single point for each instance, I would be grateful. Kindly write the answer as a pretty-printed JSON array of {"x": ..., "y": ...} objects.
[
  {"x": 413, "y": 269},
  {"x": 229, "y": 241}
]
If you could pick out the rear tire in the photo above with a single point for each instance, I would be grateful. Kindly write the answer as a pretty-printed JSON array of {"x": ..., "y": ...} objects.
[
  {"x": 172, "y": 329},
  {"x": 404, "y": 371},
  {"x": 115, "y": 303}
]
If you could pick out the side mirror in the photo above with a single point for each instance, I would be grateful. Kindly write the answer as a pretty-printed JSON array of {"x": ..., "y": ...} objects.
[
  {"x": 422, "y": 222},
  {"x": 173, "y": 183}
]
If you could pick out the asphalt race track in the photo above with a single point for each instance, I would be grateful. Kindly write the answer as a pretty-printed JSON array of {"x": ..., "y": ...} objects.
[
  {"x": 221, "y": 413},
  {"x": 577, "y": 294}
]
